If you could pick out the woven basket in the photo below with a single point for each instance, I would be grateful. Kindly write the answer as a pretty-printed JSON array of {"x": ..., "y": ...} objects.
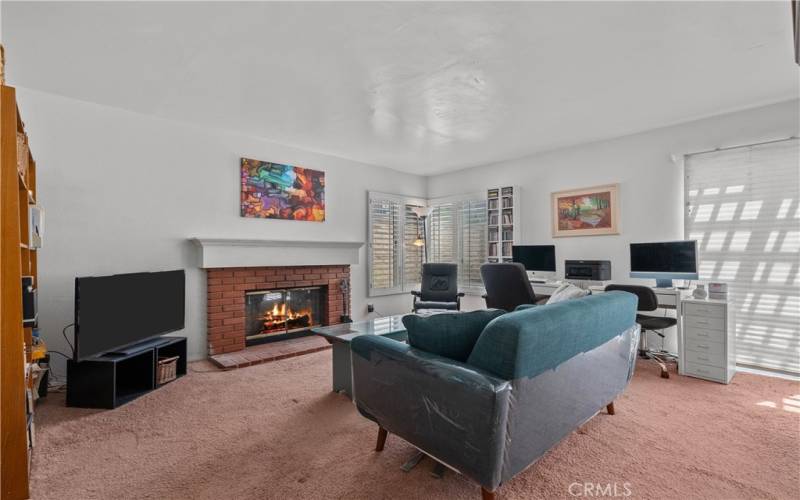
[
  {"x": 167, "y": 370},
  {"x": 22, "y": 155}
]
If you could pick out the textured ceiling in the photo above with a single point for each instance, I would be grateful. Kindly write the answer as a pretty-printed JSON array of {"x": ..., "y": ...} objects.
[{"x": 419, "y": 87}]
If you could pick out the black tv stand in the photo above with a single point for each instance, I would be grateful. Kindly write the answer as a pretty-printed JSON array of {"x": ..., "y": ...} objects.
[
  {"x": 131, "y": 349},
  {"x": 113, "y": 379}
]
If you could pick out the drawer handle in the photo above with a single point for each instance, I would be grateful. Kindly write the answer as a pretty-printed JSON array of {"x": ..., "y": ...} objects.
[
  {"x": 703, "y": 358},
  {"x": 702, "y": 321},
  {"x": 700, "y": 334},
  {"x": 702, "y": 346},
  {"x": 702, "y": 370}
]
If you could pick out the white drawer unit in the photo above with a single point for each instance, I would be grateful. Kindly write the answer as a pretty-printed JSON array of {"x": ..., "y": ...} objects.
[
  {"x": 704, "y": 322},
  {"x": 707, "y": 349},
  {"x": 704, "y": 310}
]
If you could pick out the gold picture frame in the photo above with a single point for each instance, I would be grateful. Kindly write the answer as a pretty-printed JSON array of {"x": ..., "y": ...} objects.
[{"x": 592, "y": 211}]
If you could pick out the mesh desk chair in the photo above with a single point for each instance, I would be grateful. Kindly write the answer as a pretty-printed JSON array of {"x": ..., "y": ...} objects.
[{"x": 649, "y": 302}]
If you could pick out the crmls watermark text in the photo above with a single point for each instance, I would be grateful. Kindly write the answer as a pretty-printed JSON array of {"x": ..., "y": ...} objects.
[{"x": 595, "y": 490}]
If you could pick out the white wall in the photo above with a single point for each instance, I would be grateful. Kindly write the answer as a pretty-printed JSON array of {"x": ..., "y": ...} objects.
[
  {"x": 123, "y": 192},
  {"x": 651, "y": 186}
]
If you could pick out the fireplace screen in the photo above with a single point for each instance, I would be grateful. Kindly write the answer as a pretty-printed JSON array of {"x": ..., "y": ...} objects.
[{"x": 275, "y": 312}]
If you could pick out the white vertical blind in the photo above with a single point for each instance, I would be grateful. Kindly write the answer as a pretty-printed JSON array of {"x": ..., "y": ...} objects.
[{"x": 743, "y": 208}]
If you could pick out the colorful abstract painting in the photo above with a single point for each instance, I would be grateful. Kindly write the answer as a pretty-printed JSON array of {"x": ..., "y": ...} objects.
[
  {"x": 276, "y": 191},
  {"x": 586, "y": 212}
]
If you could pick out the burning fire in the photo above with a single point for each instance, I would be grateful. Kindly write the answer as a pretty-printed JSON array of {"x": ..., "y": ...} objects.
[{"x": 280, "y": 316}]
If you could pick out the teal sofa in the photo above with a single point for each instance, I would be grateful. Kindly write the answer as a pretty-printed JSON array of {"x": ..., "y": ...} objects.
[{"x": 531, "y": 378}]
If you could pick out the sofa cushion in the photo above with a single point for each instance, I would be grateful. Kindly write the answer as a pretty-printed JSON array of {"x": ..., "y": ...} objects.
[
  {"x": 451, "y": 335},
  {"x": 528, "y": 342},
  {"x": 567, "y": 291}
]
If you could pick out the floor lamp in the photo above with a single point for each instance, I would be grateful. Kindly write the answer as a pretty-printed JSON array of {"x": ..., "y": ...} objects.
[{"x": 422, "y": 238}]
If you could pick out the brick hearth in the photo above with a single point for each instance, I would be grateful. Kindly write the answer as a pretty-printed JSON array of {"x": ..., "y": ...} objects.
[{"x": 227, "y": 288}]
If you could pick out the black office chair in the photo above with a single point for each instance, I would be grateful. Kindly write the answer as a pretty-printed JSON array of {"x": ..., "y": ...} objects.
[
  {"x": 507, "y": 285},
  {"x": 649, "y": 302},
  {"x": 439, "y": 288}
]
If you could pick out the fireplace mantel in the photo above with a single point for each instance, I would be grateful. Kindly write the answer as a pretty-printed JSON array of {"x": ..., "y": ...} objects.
[{"x": 233, "y": 252}]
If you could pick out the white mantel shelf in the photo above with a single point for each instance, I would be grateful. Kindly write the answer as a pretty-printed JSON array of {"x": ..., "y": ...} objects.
[{"x": 234, "y": 252}]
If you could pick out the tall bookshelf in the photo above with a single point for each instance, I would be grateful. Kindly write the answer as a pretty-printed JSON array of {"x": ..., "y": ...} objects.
[
  {"x": 502, "y": 222},
  {"x": 17, "y": 259}
]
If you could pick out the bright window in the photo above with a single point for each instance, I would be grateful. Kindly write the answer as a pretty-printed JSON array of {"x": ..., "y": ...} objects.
[
  {"x": 456, "y": 232},
  {"x": 458, "y": 235},
  {"x": 742, "y": 207},
  {"x": 395, "y": 263}
]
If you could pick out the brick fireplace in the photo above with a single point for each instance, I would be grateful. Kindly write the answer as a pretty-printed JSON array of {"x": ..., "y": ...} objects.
[{"x": 230, "y": 287}]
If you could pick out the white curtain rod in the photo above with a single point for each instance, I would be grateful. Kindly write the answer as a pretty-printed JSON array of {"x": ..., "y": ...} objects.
[{"x": 726, "y": 148}]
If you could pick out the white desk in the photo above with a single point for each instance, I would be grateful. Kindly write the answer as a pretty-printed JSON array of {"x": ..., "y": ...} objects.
[
  {"x": 669, "y": 299},
  {"x": 551, "y": 286},
  {"x": 704, "y": 334}
]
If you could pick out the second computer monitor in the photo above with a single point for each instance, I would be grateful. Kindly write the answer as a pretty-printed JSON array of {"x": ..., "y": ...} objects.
[{"x": 535, "y": 257}]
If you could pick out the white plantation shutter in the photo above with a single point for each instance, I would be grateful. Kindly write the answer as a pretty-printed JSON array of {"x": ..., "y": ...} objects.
[
  {"x": 412, "y": 254},
  {"x": 384, "y": 240},
  {"x": 394, "y": 263},
  {"x": 473, "y": 243},
  {"x": 743, "y": 207},
  {"x": 442, "y": 245},
  {"x": 458, "y": 235}
]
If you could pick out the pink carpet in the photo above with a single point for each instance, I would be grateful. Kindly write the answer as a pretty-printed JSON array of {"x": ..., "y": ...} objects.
[{"x": 276, "y": 431}]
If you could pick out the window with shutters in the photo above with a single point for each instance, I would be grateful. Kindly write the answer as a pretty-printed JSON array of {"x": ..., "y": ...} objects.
[
  {"x": 394, "y": 262},
  {"x": 456, "y": 232},
  {"x": 458, "y": 235},
  {"x": 412, "y": 254},
  {"x": 742, "y": 207},
  {"x": 442, "y": 244}
]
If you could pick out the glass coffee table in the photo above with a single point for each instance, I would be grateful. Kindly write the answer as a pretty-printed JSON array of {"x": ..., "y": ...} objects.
[{"x": 339, "y": 336}]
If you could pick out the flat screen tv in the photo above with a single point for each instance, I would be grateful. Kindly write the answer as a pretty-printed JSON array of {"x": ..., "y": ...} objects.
[
  {"x": 535, "y": 257},
  {"x": 664, "y": 261},
  {"x": 114, "y": 312}
]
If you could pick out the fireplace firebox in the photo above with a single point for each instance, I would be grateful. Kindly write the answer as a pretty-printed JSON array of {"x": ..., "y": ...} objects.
[{"x": 284, "y": 313}]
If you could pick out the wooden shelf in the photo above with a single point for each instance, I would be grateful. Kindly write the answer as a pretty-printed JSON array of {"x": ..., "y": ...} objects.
[{"x": 16, "y": 260}]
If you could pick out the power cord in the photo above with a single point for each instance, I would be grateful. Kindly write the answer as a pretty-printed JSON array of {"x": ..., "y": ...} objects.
[
  {"x": 64, "y": 333},
  {"x": 61, "y": 353}
]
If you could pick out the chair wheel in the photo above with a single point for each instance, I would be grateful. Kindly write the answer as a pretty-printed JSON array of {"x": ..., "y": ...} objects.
[{"x": 664, "y": 374}]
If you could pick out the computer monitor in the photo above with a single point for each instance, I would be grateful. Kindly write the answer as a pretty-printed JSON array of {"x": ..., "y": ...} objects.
[
  {"x": 664, "y": 261},
  {"x": 535, "y": 257}
]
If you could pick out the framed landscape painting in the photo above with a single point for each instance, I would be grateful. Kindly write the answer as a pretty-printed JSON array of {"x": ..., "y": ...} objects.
[
  {"x": 586, "y": 212},
  {"x": 277, "y": 191}
]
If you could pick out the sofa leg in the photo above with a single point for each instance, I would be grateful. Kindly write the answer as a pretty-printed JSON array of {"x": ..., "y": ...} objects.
[
  {"x": 382, "y": 433},
  {"x": 610, "y": 408},
  {"x": 488, "y": 495}
]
